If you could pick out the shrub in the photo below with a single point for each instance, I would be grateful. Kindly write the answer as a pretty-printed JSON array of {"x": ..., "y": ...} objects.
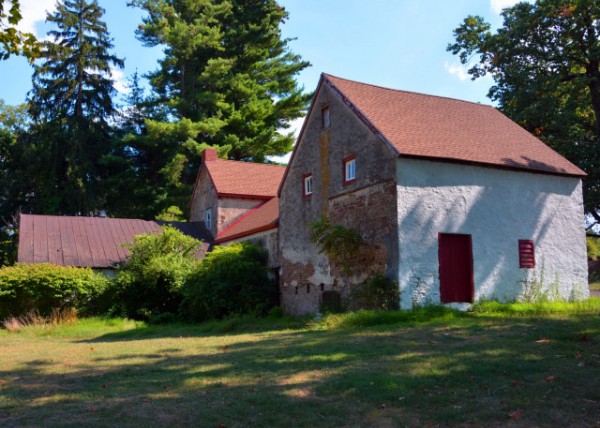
[
  {"x": 593, "y": 247},
  {"x": 44, "y": 287},
  {"x": 377, "y": 292},
  {"x": 148, "y": 283},
  {"x": 231, "y": 280}
]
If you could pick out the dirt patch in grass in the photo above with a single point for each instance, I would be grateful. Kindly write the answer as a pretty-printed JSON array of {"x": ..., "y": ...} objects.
[{"x": 481, "y": 369}]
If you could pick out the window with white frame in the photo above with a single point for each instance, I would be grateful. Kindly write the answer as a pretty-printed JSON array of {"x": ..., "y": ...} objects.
[
  {"x": 349, "y": 169},
  {"x": 307, "y": 185},
  {"x": 208, "y": 218}
]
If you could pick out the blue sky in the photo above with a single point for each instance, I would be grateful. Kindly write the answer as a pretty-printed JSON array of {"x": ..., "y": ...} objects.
[{"x": 395, "y": 43}]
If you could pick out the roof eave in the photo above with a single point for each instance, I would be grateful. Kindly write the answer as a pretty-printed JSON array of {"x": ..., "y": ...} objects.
[{"x": 581, "y": 175}]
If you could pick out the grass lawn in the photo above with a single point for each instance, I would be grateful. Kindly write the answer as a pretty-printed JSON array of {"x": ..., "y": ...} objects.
[{"x": 503, "y": 365}]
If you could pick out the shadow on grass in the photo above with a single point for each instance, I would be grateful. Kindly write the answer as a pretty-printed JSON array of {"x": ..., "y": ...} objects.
[{"x": 483, "y": 370}]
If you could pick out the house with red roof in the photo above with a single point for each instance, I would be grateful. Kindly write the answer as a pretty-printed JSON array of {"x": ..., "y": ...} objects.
[
  {"x": 237, "y": 201},
  {"x": 453, "y": 200}
]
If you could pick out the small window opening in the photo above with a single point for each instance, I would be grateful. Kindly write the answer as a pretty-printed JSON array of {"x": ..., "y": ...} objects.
[
  {"x": 208, "y": 219},
  {"x": 526, "y": 254},
  {"x": 307, "y": 288},
  {"x": 307, "y": 185},
  {"x": 325, "y": 118},
  {"x": 296, "y": 290},
  {"x": 322, "y": 287},
  {"x": 349, "y": 169}
]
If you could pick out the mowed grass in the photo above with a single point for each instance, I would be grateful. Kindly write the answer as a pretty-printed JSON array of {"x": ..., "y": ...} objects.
[{"x": 501, "y": 365}]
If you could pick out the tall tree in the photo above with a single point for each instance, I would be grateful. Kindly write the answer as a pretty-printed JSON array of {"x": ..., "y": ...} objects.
[
  {"x": 13, "y": 41},
  {"x": 545, "y": 61},
  {"x": 71, "y": 104},
  {"x": 226, "y": 66}
]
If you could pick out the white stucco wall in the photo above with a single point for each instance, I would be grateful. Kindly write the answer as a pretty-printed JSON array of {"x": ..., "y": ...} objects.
[{"x": 497, "y": 208}]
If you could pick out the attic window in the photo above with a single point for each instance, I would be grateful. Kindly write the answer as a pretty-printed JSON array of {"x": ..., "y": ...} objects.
[
  {"x": 208, "y": 219},
  {"x": 307, "y": 185},
  {"x": 526, "y": 254},
  {"x": 325, "y": 120},
  {"x": 349, "y": 169}
]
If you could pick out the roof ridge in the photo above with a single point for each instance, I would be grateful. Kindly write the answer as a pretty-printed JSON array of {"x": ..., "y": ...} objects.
[
  {"x": 410, "y": 92},
  {"x": 246, "y": 162}
]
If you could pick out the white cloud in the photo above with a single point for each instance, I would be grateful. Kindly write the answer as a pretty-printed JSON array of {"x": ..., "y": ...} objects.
[
  {"x": 121, "y": 84},
  {"x": 457, "y": 70},
  {"x": 498, "y": 5},
  {"x": 34, "y": 12}
]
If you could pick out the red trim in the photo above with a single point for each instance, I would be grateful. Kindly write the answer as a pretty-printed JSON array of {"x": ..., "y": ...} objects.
[
  {"x": 247, "y": 233},
  {"x": 241, "y": 196},
  {"x": 344, "y": 162},
  {"x": 304, "y": 194}
]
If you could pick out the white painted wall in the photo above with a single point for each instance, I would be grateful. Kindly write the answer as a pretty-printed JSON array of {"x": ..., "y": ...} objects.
[{"x": 497, "y": 208}]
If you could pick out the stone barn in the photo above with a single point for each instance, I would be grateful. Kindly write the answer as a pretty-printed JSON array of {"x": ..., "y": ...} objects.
[{"x": 458, "y": 202}]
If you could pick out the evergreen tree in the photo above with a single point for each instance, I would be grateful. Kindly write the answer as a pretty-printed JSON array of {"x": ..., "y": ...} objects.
[
  {"x": 71, "y": 104},
  {"x": 227, "y": 79}
]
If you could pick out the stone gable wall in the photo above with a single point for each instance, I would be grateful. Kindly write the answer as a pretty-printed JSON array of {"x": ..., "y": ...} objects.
[{"x": 368, "y": 204}]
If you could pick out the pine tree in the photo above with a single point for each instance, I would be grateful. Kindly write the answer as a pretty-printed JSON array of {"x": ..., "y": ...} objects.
[
  {"x": 71, "y": 104},
  {"x": 227, "y": 80}
]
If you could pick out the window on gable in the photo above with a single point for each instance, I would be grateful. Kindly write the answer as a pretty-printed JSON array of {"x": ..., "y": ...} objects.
[
  {"x": 526, "y": 254},
  {"x": 208, "y": 219},
  {"x": 349, "y": 169},
  {"x": 325, "y": 120},
  {"x": 307, "y": 185}
]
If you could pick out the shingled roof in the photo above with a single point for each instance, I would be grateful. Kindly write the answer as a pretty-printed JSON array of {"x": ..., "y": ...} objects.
[
  {"x": 262, "y": 218},
  {"x": 438, "y": 128},
  {"x": 244, "y": 179},
  {"x": 89, "y": 241}
]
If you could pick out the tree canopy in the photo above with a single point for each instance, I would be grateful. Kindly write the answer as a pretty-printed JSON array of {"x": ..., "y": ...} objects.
[
  {"x": 227, "y": 81},
  {"x": 71, "y": 104},
  {"x": 13, "y": 41},
  {"x": 545, "y": 62}
]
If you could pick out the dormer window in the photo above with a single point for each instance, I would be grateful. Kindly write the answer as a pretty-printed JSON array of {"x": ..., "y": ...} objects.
[
  {"x": 349, "y": 169},
  {"x": 307, "y": 185},
  {"x": 325, "y": 120}
]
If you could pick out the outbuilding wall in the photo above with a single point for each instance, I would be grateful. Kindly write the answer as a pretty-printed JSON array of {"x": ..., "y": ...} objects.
[
  {"x": 368, "y": 204},
  {"x": 497, "y": 208},
  {"x": 203, "y": 198},
  {"x": 223, "y": 210}
]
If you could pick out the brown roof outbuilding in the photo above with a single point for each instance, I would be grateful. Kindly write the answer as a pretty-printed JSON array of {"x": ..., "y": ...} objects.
[{"x": 94, "y": 242}]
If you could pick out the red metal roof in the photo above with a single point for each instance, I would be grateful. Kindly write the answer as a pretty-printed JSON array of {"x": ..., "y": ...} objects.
[
  {"x": 426, "y": 126},
  {"x": 262, "y": 218},
  {"x": 244, "y": 179},
  {"x": 88, "y": 241}
]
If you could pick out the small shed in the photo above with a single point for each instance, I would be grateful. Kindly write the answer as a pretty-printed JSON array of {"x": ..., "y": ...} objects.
[{"x": 94, "y": 242}]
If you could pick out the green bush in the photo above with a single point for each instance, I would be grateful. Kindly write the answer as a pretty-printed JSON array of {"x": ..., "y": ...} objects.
[
  {"x": 44, "y": 287},
  {"x": 231, "y": 280},
  {"x": 148, "y": 283},
  {"x": 377, "y": 292},
  {"x": 593, "y": 247}
]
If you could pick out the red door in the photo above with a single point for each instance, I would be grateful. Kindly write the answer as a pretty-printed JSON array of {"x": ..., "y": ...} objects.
[{"x": 456, "y": 267}]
